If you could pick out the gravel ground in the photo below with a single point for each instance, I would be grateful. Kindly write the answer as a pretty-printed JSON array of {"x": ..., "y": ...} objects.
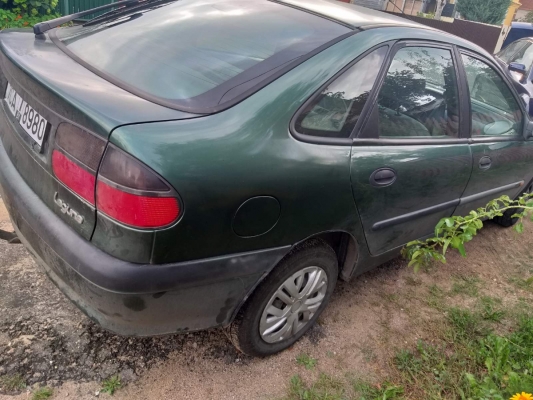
[{"x": 47, "y": 341}]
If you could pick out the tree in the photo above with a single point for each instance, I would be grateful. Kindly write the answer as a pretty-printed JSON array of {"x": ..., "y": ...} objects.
[
  {"x": 528, "y": 17},
  {"x": 485, "y": 11}
]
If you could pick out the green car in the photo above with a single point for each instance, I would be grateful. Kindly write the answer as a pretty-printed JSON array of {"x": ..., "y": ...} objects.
[{"x": 182, "y": 165}]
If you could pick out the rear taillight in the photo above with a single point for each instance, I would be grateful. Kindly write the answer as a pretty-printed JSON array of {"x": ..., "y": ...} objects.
[
  {"x": 132, "y": 194},
  {"x": 75, "y": 177},
  {"x": 75, "y": 159},
  {"x": 125, "y": 189}
]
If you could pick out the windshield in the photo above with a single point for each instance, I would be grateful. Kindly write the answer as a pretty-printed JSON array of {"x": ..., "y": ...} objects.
[{"x": 198, "y": 54}]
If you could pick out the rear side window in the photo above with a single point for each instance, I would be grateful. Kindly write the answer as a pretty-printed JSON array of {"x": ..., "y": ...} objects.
[
  {"x": 197, "y": 54},
  {"x": 335, "y": 111}
]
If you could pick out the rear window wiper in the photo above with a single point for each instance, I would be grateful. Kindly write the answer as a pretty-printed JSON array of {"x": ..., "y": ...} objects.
[
  {"x": 119, "y": 12},
  {"x": 45, "y": 26}
]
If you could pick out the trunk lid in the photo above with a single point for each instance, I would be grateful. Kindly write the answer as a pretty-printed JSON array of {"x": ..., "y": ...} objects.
[{"x": 62, "y": 92}]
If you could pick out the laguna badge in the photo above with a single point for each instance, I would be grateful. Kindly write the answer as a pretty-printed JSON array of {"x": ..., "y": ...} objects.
[{"x": 65, "y": 209}]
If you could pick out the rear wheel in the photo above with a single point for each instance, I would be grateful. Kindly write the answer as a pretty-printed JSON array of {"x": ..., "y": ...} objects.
[
  {"x": 288, "y": 302},
  {"x": 507, "y": 220}
]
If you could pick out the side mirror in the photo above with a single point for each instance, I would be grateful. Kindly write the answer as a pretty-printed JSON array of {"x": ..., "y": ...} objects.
[
  {"x": 517, "y": 70},
  {"x": 517, "y": 67}
]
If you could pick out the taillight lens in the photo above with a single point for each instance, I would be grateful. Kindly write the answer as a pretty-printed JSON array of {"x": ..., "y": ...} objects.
[
  {"x": 75, "y": 159},
  {"x": 131, "y": 193},
  {"x": 75, "y": 177}
]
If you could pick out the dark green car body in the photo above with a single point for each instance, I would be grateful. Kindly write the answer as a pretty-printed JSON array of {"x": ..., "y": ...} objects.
[{"x": 250, "y": 186}]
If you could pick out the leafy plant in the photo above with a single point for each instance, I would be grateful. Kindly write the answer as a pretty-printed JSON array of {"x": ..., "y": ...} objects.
[
  {"x": 426, "y": 15},
  {"x": 485, "y": 11},
  {"x": 22, "y": 13},
  {"x": 11, "y": 19},
  {"x": 508, "y": 362},
  {"x": 455, "y": 231},
  {"x": 111, "y": 385},
  {"x": 30, "y": 8}
]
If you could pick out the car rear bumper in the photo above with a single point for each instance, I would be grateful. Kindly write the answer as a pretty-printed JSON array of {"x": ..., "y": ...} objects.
[{"x": 126, "y": 298}]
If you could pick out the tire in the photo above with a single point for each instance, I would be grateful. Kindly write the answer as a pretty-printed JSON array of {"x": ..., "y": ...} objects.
[
  {"x": 507, "y": 220},
  {"x": 312, "y": 266}
]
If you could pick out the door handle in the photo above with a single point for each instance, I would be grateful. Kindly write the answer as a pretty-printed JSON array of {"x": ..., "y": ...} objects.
[
  {"x": 485, "y": 162},
  {"x": 383, "y": 177}
]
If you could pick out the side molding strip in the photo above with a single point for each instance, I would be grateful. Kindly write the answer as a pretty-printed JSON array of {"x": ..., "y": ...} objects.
[
  {"x": 443, "y": 206},
  {"x": 478, "y": 196},
  {"x": 415, "y": 214}
]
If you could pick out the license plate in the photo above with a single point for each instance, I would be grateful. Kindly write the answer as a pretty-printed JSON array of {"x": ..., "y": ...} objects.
[{"x": 29, "y": 119}]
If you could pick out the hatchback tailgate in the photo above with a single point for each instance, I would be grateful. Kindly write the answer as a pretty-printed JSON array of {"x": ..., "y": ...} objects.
[{"x": 62, "y": 92}]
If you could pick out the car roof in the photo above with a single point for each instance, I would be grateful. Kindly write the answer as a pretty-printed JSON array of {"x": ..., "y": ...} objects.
[
  {"x": 522, "y": 25},
  {"x": 349, "y": 14},
  {"x": 358, "y": 17}
]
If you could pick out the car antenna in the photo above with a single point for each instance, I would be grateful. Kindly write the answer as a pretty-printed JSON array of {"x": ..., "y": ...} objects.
[{"x": 45, "y": 26}]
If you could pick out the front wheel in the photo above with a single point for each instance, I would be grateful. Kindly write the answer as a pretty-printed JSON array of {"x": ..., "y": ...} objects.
[{"x": 288, "y": 302}]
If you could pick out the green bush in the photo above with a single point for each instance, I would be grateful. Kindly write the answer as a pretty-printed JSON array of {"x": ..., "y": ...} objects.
[
  {"x": 10, "y": 19},
  {"x": 31, "y": 8},
  {"x": 22, "y": 13}
]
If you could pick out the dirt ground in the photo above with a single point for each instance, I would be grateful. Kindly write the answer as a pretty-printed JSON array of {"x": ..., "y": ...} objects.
[{"x": 48, "y": 341}]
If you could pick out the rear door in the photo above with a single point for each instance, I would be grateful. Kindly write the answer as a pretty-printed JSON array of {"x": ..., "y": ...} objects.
[
  {"x": 411, "y": 161},
  {"x": 502, "y": 159}
]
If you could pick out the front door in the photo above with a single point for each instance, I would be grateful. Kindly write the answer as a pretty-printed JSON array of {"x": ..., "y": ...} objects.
[
  {"x": 411, "y": 161},
  {"x": 502, "y": 159}
]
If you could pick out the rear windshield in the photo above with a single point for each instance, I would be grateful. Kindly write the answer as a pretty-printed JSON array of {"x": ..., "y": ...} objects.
[{"x": 198, "y": 54}]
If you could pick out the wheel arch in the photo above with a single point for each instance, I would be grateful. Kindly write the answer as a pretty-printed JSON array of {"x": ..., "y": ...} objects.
[{"x": 343, "y": 244}]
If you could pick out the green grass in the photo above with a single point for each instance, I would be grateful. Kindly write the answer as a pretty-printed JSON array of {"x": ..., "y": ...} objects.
[
  {"x": 306, "y": 360},
  {"x": 366, "y": 391},
  {"x": 12, "y": 383},
  {"x": 111, "y": 385},
  {"x": 470, "y": 362},
  {"x": 526, "y": 284},
  {"x": 42, "y": 393},
  {"x": 325, "y": 388},
  {"x": 435, "y": 297},
  {"x": 465, "y": 360},
  {"x": 465, "y": 325},
  {"x": 490, "y": 310},
  {"x": 466, "y": 285}
]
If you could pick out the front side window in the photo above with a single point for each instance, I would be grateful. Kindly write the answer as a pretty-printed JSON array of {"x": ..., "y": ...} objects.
[
  {"x": 506, "y": 54},
  {"x": 523, "y": 56},
  {"x": 336, "y": 110},
  {"x": 495, "y": 111},
  {"x": 419, "y": 95}
]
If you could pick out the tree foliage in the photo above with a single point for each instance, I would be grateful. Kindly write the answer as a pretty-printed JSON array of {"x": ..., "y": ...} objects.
[
  {"x": 485, "y": 11},
  {"x": 528, "y": 17},
  {"x": 454, "y": 232},
  {"x": 22, "y": 13}
]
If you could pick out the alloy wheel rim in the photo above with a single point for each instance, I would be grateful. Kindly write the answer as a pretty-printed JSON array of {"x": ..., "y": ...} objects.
[{"x": 293, "y": 304}]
